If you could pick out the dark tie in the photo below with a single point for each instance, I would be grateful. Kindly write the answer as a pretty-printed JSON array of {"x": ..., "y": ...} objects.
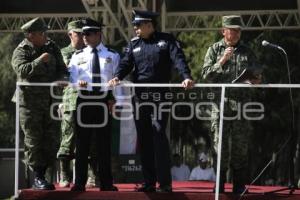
[{"x": 96, "y": 69}]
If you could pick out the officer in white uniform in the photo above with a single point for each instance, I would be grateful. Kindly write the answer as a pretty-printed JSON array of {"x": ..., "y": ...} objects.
[{"x": 93, "y": 64}]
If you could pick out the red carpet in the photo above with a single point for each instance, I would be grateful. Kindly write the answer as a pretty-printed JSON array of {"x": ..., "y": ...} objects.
[{"x": 196, "y": 190}]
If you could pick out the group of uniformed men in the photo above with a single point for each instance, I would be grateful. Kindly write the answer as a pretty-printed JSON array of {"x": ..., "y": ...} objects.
[{"x": 149, "y": 57}]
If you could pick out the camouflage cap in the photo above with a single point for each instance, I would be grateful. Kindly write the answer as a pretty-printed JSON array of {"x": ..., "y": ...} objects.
[
  {"x": 232, "y": 21},
  {"x": 34, "y": 25},
  {"x": 75, "y": 26}
]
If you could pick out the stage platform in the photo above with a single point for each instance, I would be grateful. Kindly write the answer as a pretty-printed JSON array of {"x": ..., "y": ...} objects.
[{"x": 194, "y": 190}]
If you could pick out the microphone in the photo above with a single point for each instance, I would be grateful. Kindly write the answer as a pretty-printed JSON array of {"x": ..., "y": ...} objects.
[{"x": 266, "y": 43}]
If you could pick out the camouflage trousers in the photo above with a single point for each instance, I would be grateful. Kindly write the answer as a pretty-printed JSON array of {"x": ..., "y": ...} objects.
[
  {"x": 234, "y": 141},
  {"x": 67, "y": 144},
  {"x": 41, "y": 136}
]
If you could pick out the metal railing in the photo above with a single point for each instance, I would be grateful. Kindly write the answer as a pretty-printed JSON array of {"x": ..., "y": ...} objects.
[{"x": 222, "y": 86}]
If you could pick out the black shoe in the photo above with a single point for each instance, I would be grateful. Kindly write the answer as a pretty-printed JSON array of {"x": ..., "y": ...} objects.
[
  {"x": 164, "y": 188},
  {"x": 145, "y": 188},
  {"x": 42, "y": 184},
  {"x": 109, "y": 188},
  {"x": 78, "y": 188}
]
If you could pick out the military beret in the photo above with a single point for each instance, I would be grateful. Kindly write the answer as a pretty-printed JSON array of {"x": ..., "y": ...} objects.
[
  {"x": 89, "y": 24},
  {"x": 232, "y": 21},
  {"x": 75, "y": 26},
  {"x": 143, "y": 16},
  {"x": 34, "y": 25}
]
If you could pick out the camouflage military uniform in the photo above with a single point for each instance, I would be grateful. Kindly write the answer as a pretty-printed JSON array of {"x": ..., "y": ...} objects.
[
  {"x": 40, "y": 130},
  {"x": 238, "y": 130},
  {"x": 69, "y": 105}
]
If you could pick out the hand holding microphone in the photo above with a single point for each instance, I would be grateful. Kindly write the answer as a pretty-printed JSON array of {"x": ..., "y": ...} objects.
[{"x": 227, "y": 55}]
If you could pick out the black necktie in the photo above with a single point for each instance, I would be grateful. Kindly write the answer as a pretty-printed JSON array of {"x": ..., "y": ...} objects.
[{"x": 96, "y": 69}]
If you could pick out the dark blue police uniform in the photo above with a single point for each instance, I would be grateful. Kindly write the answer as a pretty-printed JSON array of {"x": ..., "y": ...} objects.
[{"x": 151, "y": 61}]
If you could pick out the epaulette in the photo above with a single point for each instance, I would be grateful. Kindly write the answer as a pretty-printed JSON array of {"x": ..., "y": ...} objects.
[
  {"x": 112, "y": 50},
  {"x": 78, "y": 51},
  {"x": 135, "y": 38},
  {"x": 23, "y": 43}
]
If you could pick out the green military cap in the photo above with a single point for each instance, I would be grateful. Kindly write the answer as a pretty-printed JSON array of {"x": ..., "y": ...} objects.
[
  {"x": 34, "y": 25},
  {"x": 75, "y": 26},
  {"x": 232, "y": 21}
]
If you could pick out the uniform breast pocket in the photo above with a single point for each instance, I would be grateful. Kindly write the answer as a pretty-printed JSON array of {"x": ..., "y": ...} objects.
[
  {"x": 138, "y": 56},
  {"x": 243, "y": 64},
  {"x": 107, "y": 71},
  {"x": 83, "y": 71}
]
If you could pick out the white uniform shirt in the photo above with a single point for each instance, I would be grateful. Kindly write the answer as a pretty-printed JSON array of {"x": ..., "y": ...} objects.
[
  {"x": 80, "y": 66},
  {"x": 181, "y": 173},
  {"x": 207, "y": 174}
]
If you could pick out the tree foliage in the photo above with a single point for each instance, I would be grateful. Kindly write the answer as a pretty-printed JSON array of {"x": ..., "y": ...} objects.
[{"x": 7, "y": 81}]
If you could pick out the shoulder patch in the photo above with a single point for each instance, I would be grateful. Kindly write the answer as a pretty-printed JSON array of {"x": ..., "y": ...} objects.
[
  {"x": 135, "y": 38},
  {"x": 78, "y": 51}
]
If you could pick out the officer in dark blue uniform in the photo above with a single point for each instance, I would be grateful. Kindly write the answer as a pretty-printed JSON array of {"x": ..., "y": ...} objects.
[{"x": 152, "y": 55}]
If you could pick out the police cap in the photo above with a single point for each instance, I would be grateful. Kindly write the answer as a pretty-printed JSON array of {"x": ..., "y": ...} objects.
[
  {"x": 140, "y": 16},
  {"x": 34, "y": 25},
  {"x": 232, "y": 21},
  {"x": 89, "y": 24},
  {"x": 75, "y": 26}
]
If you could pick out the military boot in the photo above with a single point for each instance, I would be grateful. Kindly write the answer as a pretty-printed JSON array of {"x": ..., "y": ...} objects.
[{"x": 64, "y": 173}]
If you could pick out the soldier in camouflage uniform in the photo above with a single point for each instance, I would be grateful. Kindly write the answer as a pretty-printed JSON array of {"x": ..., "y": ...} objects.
[
  {"x": 38, "y": 59},
  {"x": 223, "y": 63},
  {"x": 67, "y": 145}
]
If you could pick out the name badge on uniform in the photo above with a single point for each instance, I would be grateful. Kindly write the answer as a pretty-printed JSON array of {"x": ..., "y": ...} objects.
[
  {"x": 108, "y": 60},
  {"x": 138, "y": 49},
  {"x": 161, "y": 43}
]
